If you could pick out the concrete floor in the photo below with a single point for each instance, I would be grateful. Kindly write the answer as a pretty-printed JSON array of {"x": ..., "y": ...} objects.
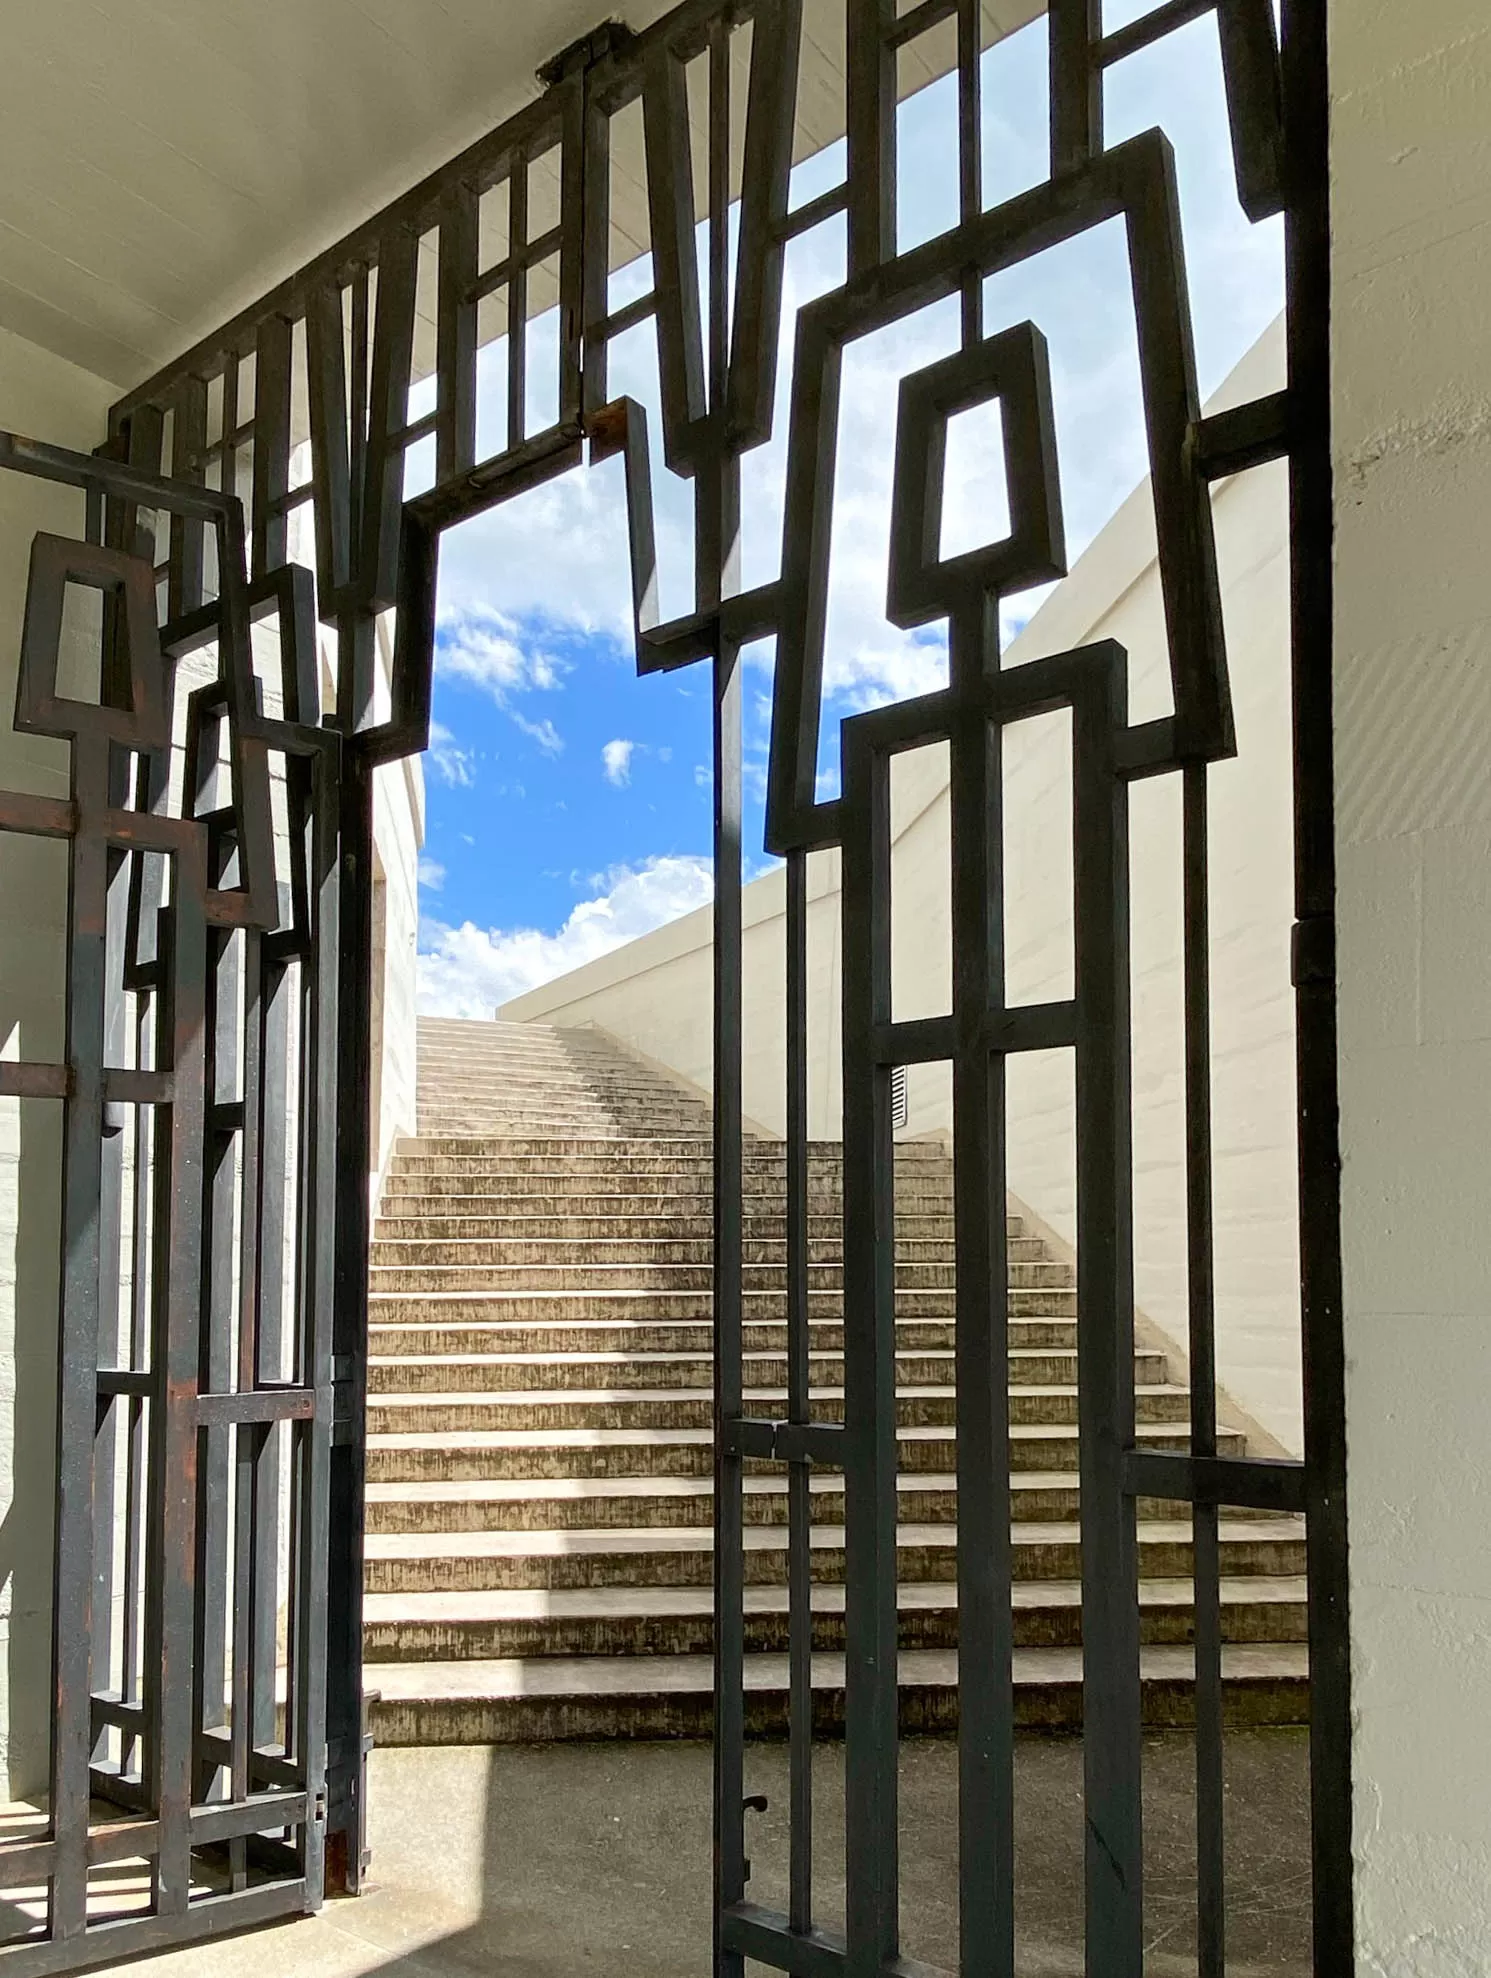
[{"x": 541, "y": 1862}]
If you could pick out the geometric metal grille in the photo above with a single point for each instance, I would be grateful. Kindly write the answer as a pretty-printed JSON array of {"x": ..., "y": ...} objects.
[
  {"x": 194, "y": 1362},
  {"x": 304, "y": 401}
]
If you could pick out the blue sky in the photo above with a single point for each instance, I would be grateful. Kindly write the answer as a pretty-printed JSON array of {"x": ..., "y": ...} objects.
[{"x": 569, "y": 802}]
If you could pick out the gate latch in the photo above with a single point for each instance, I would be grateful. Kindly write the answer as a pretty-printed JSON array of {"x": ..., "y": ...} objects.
[{"x": 753, "y": 1803}]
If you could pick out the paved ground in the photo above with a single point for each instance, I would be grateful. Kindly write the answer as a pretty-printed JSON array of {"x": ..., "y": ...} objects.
[{"x": 524, "y": 1862}]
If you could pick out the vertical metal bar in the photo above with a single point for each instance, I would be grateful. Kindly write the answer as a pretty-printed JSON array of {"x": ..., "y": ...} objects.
[
  {"x": 517, "y": 301},
  {"x": 572, "y": 182},
  {"x": 348, "y": 1458},
  {"x": 326, "y": 393},
  {"x": 682, "y": 374},
  {"x": 310, "y": 1702},
  {"x": 277, "y": 1150},
  {"x": 986, "y": 1780},
  {"x": 776, "y": 44},
  {"x": 381, "y": 482},
  {"x": 872, "y": 1828},
  {"x": 595, "y": 249},
  {"x": 455, "y": 441},
  {"x": 1075, "y": 27},
  {"x": 1307, "y": 252},
  {"x": 174, "y": 1402},
  {"x": 717, "y": 524},
  {"x": 227, "y": 448},
  {"x": 357, "y": 436},
  {"x": 1111, "y": 1743},
  {"x": 272, "y": 379},
  {"x": 1206, "y": 1559},
  {"x": 188, "y": 444},
  {"x": 72, "y": 1582},
  {"x": 870, "y": 89},
  {"x": 970, "y": 112},
  {"x": 799, "y": 1405},
  {"x": 249, "y": 1443}
]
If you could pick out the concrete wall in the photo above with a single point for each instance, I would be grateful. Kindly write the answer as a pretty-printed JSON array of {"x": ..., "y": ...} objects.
[
  {"x": 40, "y": 395},
  {"x": 656, "y": 992},
  {"x": 1412, "y": 223}
]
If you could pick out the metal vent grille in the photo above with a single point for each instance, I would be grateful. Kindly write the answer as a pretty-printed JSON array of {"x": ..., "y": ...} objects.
[{"x": 900, "y": 1109}]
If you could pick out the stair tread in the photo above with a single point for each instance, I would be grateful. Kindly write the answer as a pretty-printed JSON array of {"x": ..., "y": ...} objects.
[
  {"x": 601, "y": 1397},
  {"x": 621, "y": 1675},
  {"x": 384, "y": 1610},
  {"x": 545, "y": 1543},
  {"x": 1163, "y": 1433}
]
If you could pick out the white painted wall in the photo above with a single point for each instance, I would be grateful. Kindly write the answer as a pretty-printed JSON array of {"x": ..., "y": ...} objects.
[
  {"x": 656, "y": 992},
  {"x": 1412, "y": 225}
]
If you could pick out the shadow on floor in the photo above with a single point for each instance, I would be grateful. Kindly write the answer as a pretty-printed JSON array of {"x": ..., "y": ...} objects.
[{"x": 542, "y": 1862}]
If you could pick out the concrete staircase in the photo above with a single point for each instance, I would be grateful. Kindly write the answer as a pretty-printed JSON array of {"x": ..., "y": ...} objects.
[{"x": 539, "y": 1550}]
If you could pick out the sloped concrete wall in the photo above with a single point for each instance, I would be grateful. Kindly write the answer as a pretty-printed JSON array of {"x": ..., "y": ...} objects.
[{"x": 1412, "y": 228}]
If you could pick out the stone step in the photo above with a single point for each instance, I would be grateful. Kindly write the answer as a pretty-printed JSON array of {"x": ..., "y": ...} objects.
[
  {"x": 585, "y": 1503},
  {"x": 625, "y": 1301},
  {"x": 566, "y": 1304},
  {"x": 609, "y": 1279},
  {"x": 399, "y": 1225},
  {"x": 648, "y": 1621},
  {"x": 758, "y": 1155},
  {"x": 447, "y": 1373},
  {"x": 547, "y": 1698},
  {"x": 683, "y": 1556},
  {"x": 541, "y": 1250},
  {"x": 619, "y": 1408},
  {"x": 648, "y": 1335},
  {"x": 409, "y": 1455}
]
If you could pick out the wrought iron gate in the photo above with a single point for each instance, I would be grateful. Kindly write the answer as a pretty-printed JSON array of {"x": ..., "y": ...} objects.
[{"x": 303, "y": 403}]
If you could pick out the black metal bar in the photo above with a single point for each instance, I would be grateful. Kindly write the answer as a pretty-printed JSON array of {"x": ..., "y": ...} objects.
[
  {"x": 1075, "y": 30},
  {"x": 1211, "y": 1858},
  {"x": 799, "y": 1404},
  {"x": 870, "y": 85},
  {"x": 1148, "y": 29},
  {"x": 348, "y": 1232},
  {"x": 272, "y": 413},
  {"x": 1111, "y": 1747},
  {"x": 921, "y": 20},
  {"x": 871, "y": 1700},
  {"x": 766, "y": 172},
  {"x": 1307, "y": 253},
  {"x": 1243, "y": 436},
  {"x": 455, "y": 448},
  {"x": 986, "y": 1759},
  {"x": 1255, "y": 1482},
  {"x": 76, "y": 1399},
  {"x": 517, "y": 305}
]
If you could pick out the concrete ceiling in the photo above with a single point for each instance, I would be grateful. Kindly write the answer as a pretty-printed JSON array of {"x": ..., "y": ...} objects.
[{"x": 165, "y": 162}]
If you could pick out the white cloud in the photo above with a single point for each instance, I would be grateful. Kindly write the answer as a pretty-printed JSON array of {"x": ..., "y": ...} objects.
[
  {"x": 543, "y": 732},
  {"x": 431, "y": 873},
  {"x": 469, "y": 971},
  {"x": 486, "y": 647},
  {"x": 617, "y": 759},
  {"x": 451, "y": 764}
]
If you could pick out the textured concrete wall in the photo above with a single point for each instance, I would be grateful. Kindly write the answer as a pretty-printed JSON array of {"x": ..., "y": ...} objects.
[
  {"x": 1412, "y": 222},
  {"x": 656, "y": 991},
  {"x": 43, "y": 396}
]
